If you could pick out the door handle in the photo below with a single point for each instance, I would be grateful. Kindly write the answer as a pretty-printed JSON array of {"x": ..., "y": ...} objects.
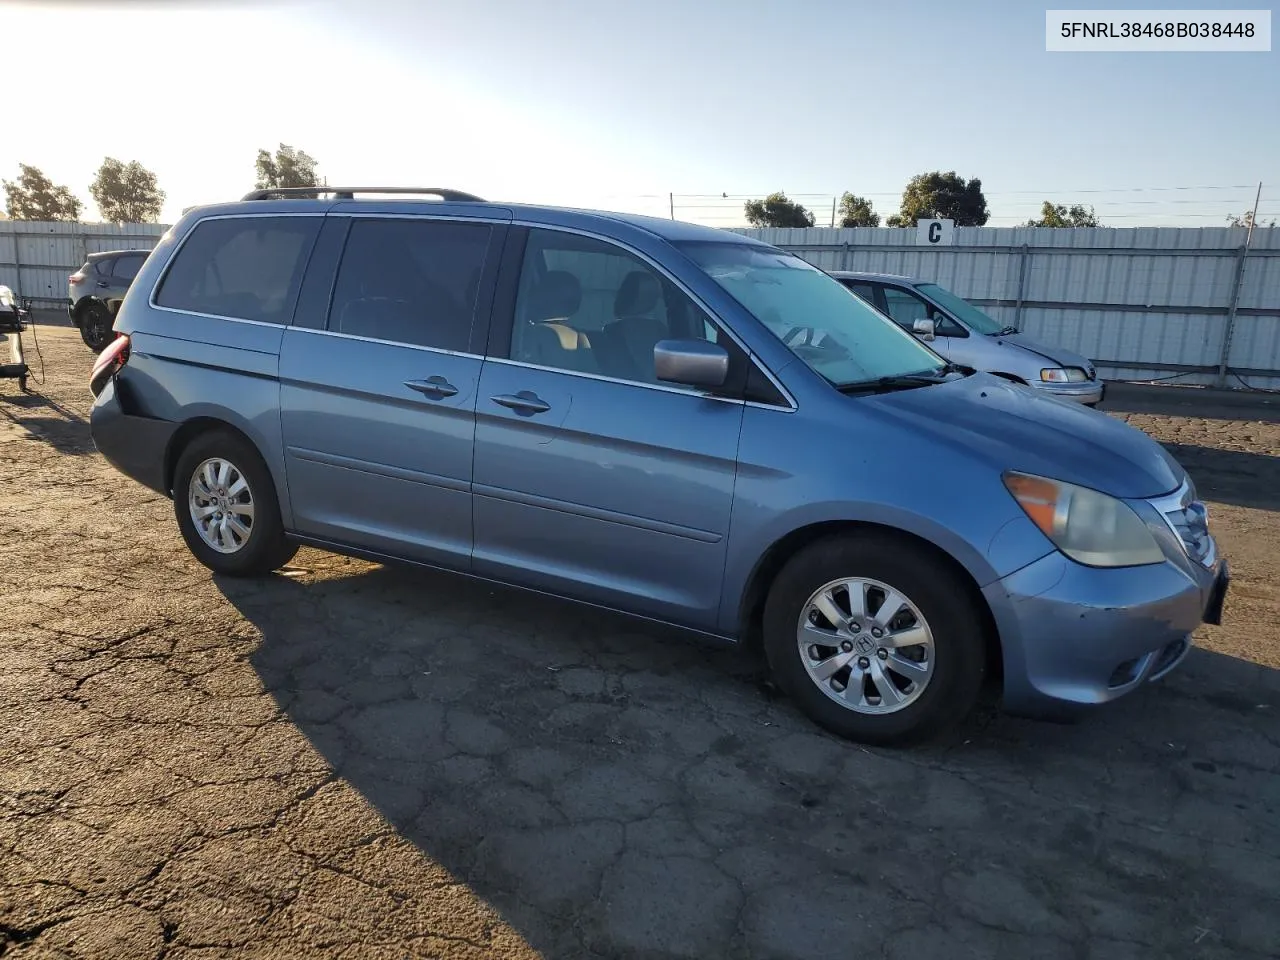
[
  {"x": 435, "y": 387},
  {"x": 103, "y": 284},
  {"x": 526, "y": 401}
]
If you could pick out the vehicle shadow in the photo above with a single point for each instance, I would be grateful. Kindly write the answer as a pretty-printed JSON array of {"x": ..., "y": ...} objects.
[
  {"x": 45, "y": 419},
  {"x": 617, "y": 790},
  {"x": 1238, "y": 477}
]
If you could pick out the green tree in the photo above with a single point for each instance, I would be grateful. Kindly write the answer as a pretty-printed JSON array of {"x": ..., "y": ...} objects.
[
  {"x": 943, "y": 195},
  {"x": 33, "y": 196},
  {"x": 287, "y": 168},
  {"x": 856, "y": 211},
  {"x": 776, "y": 210},
  {"x": 1247, "y": 220},
  {"x": 126, "y": 192},
  {"x": 1060, "y": 215}
]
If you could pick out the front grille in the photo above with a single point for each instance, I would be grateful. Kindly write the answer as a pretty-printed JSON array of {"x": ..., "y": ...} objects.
[{"x": 1189, "y": 519}]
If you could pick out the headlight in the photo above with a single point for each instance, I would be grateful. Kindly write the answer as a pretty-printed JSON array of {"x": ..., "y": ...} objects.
[
  {"x": 1089, "y": 527},
  {"x": 1063, "y": 375},
  {"x": 6, "y": 296}
]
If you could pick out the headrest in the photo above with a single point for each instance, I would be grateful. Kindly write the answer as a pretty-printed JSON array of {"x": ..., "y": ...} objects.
[{"x": 638, "y": 295}]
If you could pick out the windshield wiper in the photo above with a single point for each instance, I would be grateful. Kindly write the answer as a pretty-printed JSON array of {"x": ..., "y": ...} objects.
[{"x": 900, "y": 381}]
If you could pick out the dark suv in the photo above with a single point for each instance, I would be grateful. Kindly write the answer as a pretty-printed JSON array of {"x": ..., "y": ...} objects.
[{"x": 94, "y": 292}]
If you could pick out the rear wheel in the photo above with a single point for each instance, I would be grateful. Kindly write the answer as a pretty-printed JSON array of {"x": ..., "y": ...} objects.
[
  {"x": 95, "y": 326},
  {"x": 225, "y": 504},
  {"x": 876, "y": 639}
]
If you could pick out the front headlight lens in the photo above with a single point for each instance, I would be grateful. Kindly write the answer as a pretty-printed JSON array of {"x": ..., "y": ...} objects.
[
  {"x": 6, "y": 296},
  {"x": 1063, "y": 375},
  {"x": 1089, "y": 527}
]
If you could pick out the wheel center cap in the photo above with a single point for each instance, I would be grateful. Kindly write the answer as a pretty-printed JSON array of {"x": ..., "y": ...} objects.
[{"x": 864, "y": 644}]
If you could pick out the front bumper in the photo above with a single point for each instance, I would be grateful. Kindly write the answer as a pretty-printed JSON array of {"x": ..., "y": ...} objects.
[
  {"x": 1074, "y": 635},
  {"x": 1084, "y": 391},
  {"x": 136, "y": 446}
]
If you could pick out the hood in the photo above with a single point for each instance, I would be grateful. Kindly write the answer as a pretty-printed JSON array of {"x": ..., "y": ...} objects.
[
  {"x": 1014, "y": 427},
  {"x": 1058, "y": 356}
]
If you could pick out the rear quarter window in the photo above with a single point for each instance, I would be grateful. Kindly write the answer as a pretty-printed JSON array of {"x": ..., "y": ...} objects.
[{"x": 246, "y": 268}]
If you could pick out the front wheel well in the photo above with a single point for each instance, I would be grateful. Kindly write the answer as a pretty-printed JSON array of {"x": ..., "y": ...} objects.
[
  {"x": 751, "y": 611},
  {"x": 183, "y": 436}
]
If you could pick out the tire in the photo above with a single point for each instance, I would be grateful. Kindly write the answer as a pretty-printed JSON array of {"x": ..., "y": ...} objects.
[
  {"x": 95, "y": 326},
  {"x": 262, "y": 546},
  {"x": 940, "y": 685}
]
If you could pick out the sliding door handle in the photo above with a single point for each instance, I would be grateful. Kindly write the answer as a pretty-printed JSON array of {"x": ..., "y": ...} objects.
[{"x": 435, "y": 387}]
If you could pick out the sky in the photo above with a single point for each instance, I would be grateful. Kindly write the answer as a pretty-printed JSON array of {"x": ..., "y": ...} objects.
[{"x": 619, "y": 104}]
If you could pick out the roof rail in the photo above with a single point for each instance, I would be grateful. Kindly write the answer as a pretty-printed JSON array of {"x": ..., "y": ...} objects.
[{"x": 348, "y": 193}]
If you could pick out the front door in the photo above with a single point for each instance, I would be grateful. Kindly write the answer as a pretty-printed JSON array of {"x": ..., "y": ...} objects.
[
  {"x": 378, "y": 394},
  {"x": 592, "y": 479}
]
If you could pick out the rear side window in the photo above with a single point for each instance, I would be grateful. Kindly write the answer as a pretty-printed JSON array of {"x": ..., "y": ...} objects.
[
  {"x": 411, "y": 281},
  {"x": 248, "y": 268},
  {"x": 127, "y": 268}
]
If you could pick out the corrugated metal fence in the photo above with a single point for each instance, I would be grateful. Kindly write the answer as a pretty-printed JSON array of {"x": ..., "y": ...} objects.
[
  {"x": 1144, "y": 303},
  {"x": 37, "y": 257}
]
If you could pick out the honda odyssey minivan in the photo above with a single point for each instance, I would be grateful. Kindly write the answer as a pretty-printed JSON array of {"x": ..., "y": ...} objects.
[{"x": 670, "y": 421}]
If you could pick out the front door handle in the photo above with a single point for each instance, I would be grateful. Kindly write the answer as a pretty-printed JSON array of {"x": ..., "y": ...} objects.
[
  {"x": 435, "y": 387},
  {"x": 103, "y": 284},
  {"x": 526, "y": 401}
]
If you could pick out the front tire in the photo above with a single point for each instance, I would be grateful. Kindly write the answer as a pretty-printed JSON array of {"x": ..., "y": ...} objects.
[
  {"x": 95, "y": 326},
  {"x": 876, "y": 639},
  {"x": 225, "y": 504}
]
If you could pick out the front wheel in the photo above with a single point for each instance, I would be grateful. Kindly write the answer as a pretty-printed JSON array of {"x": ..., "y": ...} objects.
[
  {"x": 876, "y": 639},
  {"x": 95, "y": 326},
  {"x": 225, "y": 504}
]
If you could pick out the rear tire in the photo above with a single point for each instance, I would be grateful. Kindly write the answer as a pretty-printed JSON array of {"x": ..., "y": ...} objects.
[
  {"x": 878, "y": 676},
  {"x": 226, "y": 507},
  {"x": 95, "y": 326}
]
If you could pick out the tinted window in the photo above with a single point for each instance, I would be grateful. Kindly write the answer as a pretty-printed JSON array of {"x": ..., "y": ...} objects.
[
  {"x": 590, "y": 306},
  {"x": 410, "y": 281},
  {"x": 863, "y": 290},
  {"x": 905, "y": 308},
  {"x": 248, "y": 268},
  {"x": 126, "y": 268}
]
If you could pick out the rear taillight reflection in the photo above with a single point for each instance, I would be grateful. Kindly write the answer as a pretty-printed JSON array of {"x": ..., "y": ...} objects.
[
  {"x": 75, "y": 278},
  {"x": 109, "y": 362}
]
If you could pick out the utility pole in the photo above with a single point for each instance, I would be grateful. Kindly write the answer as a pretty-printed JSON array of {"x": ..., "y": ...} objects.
[
  {"x": 671, "y": 203},
  {"x": 1235, "y": 293}
]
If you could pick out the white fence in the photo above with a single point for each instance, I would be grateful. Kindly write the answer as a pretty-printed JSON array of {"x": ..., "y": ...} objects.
[
  {"x": 1184, "y": 304},
  {"x": 37, "y": 257}
]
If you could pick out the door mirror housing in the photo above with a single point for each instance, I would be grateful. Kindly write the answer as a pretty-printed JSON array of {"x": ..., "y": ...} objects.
[
  {"x": 693, "y": 363},
  {"x": 924, "y": 329}
]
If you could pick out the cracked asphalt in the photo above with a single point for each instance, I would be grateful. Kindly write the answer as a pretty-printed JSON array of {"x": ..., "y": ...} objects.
[{"x": 346, "y": 760}]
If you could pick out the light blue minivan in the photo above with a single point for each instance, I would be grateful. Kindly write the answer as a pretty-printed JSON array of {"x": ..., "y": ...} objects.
[{"x": 663, "y": 419}]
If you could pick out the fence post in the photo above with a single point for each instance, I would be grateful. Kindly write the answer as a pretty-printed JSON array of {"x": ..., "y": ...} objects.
[
  {"x": 17, "y": 266},
  {"x": 848, "y": 258},
  {"x": 1022, "y": 285},
  {"x": 1231, "y": 317}
]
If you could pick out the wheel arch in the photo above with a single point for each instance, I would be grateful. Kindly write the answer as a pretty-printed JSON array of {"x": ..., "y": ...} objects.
[
  {"x": 771, "y": 562},
  {"x": 198, "y": 426}
]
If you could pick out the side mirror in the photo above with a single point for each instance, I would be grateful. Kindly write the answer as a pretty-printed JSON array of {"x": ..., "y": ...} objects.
[
  {"x": 924, "y": 329},
  {"x": 694, "y": 363}
]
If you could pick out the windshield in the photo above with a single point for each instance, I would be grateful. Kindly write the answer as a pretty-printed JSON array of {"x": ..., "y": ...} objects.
[
  {"x": 825, "y": 325},
  {"x": 966, "y": 312}
]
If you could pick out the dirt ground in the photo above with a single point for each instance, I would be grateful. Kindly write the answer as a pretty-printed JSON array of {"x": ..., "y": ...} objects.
[{"x": 346, "y": 760}]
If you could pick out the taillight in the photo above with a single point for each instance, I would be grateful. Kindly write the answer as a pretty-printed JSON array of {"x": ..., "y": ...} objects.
[
  {"x": 109, "y": 363},
  {"x": 76, "y": 278}
]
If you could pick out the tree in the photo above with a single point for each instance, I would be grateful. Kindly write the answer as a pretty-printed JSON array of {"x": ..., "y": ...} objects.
[
  {"x": 856, "y": 212},
  {"x": 1247, "y": 221},
  {"x": 776, "y": 210},
  {"x": 288, "y": 168},
  {"x": 33, "y": 196},
  {"x": 943, "y": 195},
  {"x": 126, "y": 192},
  {"x": 1060, "y": 215}
]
